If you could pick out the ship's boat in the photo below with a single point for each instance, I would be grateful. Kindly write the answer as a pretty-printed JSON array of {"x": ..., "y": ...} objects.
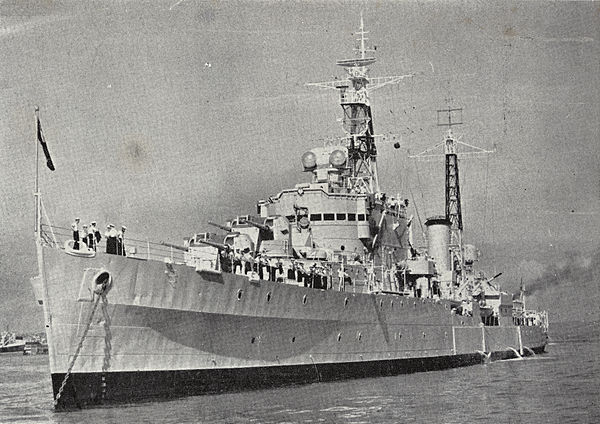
[
  {"x": 323, "y": 283},
  {"x": 10, "y": 343}
]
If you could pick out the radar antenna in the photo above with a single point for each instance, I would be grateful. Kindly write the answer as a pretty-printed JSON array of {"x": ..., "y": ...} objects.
[{"x": 358, "y": 120}]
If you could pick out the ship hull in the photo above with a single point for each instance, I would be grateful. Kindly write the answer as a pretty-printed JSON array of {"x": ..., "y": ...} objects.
[
  {"x": 165, "y": 330},
  {"x": 85, "y": 389}
]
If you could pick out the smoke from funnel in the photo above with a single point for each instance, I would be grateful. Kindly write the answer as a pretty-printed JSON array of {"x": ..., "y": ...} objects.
[{"x": 577, "y": 268}]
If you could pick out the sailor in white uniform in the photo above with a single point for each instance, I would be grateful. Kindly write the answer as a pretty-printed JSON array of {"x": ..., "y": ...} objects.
[
  {"x": 95, "y": 238},
  {"x": 120, "y": 241},
  {"x": 75, "y": 228},
  {"x": 84, "y": 235},
  {"x": 111, "y": 239}
]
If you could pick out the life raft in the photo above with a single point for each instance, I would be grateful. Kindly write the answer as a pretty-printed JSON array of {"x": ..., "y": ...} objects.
[{"x": 83, "y": 251}]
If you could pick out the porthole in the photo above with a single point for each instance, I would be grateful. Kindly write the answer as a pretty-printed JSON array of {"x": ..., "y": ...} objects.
[
  {"x": 269, "y": 297},
  {"x": 239, "y": 294},
  {"x": 304, "y": 299},
  {"x": 346, "y": 302},
  {"x": 339, "y": 337}
]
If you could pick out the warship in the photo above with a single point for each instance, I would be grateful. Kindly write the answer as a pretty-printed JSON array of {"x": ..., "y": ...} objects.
[{"x": 324, "y": 282}]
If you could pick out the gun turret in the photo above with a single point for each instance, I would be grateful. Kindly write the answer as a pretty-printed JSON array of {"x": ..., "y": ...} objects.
[
  {"x": 174, "y": 246},
  {"x": 216, "y": 245},
  {"x": 259, "y": 226},
  {"x": 222, "y": 227}
]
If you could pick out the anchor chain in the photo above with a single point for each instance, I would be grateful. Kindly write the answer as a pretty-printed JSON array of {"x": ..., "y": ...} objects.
[
  {"x": 77, "y": 351},
  {"x": 107, "y": 344},
  {"x": 100, "y": 291}
]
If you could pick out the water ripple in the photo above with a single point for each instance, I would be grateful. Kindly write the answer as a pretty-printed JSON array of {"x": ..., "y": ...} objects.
[{"x": 559, "y": 387}]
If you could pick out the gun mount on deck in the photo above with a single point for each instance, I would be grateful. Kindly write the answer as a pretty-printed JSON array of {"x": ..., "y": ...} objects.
[
  {"x": 219, "y": 246},
  {"x": 174, "y": 246},
  {"x": 494, "y": 277},
  {"x": 261, "y": 227},
  {"x": 222, "y": 227}
]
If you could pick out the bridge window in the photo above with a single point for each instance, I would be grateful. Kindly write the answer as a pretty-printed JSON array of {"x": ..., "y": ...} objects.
[
  {"x": 291, "y": 218},
  {"x": 361, "y": 216},
  {"x": 351, "y": 217},
  {"x": 340, "y": 216},
  {"x": 328, "y": 216},
  {"x": 315, "y": 217}
]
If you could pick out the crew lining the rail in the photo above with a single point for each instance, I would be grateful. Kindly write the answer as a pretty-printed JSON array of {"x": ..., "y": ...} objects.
[{"x": 89, "y": 237}]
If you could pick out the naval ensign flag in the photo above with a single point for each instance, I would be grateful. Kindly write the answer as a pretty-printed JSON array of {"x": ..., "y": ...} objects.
[{"x": 40, "y": 136}]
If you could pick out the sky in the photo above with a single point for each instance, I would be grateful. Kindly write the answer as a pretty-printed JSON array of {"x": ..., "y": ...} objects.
[{"x": 143, "y": 134}]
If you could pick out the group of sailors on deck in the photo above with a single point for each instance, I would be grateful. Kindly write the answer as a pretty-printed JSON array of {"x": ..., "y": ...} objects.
[
  {"x": 115, "y": 240},
  {"x": 90, "y": 236},
  {"x": 323, "y": 274},
  {"x": 316, "y": 275}
]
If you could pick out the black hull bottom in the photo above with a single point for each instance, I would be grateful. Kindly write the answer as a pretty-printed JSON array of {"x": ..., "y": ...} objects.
[{"x": 92, "y": 389}]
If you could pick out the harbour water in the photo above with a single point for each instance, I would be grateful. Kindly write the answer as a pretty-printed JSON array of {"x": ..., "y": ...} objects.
[{"x": 560, "y": 386}]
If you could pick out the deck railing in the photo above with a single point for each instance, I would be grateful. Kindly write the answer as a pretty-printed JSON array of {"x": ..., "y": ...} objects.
[
  {"x": 359, "y": 282},
  {"x": 139, "y": 249}
]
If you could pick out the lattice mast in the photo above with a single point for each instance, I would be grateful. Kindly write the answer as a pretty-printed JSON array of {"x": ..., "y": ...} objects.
[
  {"x": 452, "y": 184},
  {"x": 453, "y": 203},
  {"x": 358, "y": 120}
]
